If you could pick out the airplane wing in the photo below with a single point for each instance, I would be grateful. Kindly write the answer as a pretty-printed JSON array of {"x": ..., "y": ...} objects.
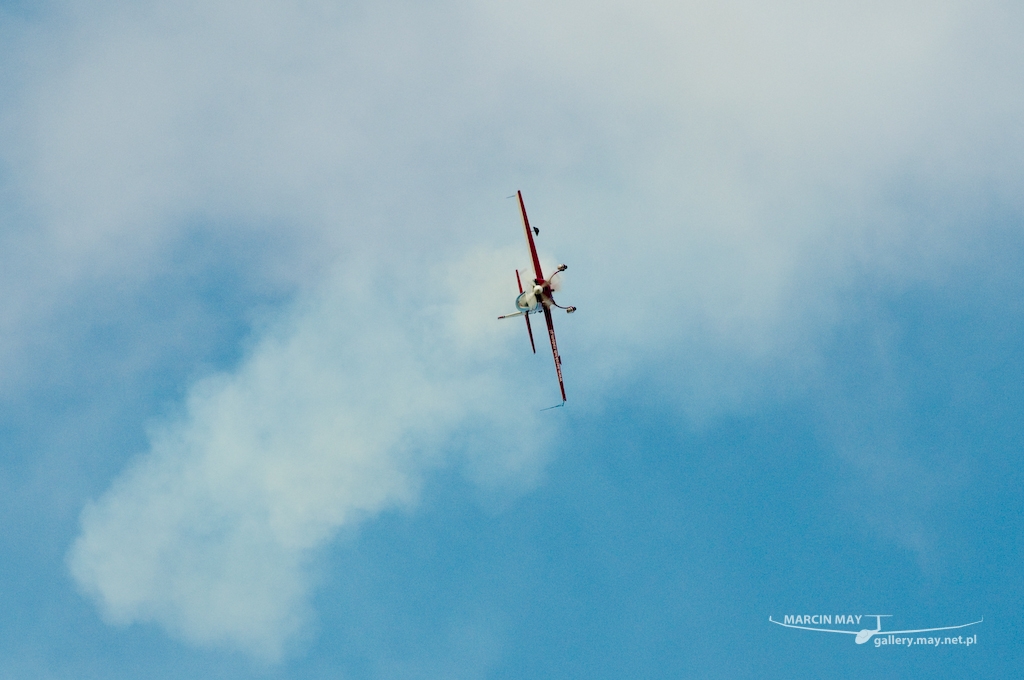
[
  {"x": 928, "y": 630},
  {"x": 529, "y": 239},
  {"x": 822, "y": 630},
  {"x": 554, "y": 348}
]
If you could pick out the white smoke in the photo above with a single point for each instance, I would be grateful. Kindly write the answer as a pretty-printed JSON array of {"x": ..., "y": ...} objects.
[
  {"x": 332, "y": 418},
  {"x": 720, "y": 170}
]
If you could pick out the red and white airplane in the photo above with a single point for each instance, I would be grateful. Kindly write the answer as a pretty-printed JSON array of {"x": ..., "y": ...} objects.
[{"x": 538, "y": 298}]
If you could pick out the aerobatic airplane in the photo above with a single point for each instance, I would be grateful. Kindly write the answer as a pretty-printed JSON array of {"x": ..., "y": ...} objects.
[{"x": 538, "y": 298}]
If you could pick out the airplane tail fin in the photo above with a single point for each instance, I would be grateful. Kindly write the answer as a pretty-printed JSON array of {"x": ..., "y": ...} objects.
[
  {"x": 530, "y": 332},
  {"x": 526, "y": 316}
]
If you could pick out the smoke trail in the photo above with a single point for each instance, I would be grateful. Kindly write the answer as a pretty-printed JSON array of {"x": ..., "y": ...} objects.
[{"x": 335, "y": 416}]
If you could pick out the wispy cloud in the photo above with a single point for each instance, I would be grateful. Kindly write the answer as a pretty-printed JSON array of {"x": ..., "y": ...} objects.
[
  {"x": 333, "y": 417},
  {"x": 722, "y": 170}
]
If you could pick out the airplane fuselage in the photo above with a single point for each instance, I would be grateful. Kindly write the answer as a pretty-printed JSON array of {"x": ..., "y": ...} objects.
[{"x": 538, "y": 295}]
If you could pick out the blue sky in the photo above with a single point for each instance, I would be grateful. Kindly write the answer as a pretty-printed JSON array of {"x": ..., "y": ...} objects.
[{"x": 258, "y": 420}]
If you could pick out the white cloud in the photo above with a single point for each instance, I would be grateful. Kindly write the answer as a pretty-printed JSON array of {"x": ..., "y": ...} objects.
[
  {"x": 716, "y": 172},
  {"x": 332, "y": 418}
]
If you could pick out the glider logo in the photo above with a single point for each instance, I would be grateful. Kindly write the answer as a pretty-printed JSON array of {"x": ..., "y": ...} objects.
[{"x": 816, "y": 622}]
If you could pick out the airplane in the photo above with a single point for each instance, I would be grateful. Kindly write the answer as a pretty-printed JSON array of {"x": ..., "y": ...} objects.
[
  {"x": 538, "y": 298},
  {"x": 866, "y": 634}
]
